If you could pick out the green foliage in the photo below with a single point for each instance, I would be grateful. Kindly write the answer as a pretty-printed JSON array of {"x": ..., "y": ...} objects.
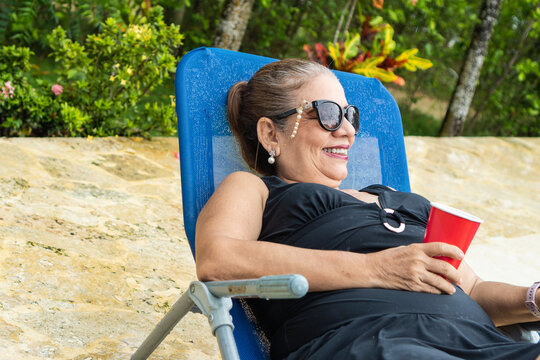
[
  {"x": 372, "y": 59},
  {"x": 276, "y": 28},
  {"x": 508, "y": 96},
  {"x": 23, "y": 106},
  {"x": 440, "y": 30},
  {"x": 73, "y": 119},
  {"x": 199, "y": 21},
  {"x": 25, "y": 21},
  {"x": 107, "y": 82},
  {"x": 418, "y": 123},
  {"x": 280, "y": 28}
]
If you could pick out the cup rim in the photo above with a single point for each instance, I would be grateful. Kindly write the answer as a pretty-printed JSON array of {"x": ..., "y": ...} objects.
[{"x": 457, "y": 212}]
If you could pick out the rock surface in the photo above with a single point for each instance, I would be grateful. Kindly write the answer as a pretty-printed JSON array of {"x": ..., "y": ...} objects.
[{"x": 93, "y": 250}]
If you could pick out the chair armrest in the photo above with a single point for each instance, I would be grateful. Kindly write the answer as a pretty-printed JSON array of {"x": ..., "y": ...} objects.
[
  {"x": 213, "y": 298},
  {"x": 528, "y": 332},
  {"x": 267, "y": 287}
]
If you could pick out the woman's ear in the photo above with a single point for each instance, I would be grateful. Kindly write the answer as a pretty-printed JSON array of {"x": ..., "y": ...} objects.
[{"x": 267, "y": 132}]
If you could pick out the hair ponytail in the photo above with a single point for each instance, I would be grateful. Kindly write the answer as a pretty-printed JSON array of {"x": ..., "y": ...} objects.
[{"x": 234, "y": 105}]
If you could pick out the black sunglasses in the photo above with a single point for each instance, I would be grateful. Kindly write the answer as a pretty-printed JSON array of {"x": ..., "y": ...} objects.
[{"x": 330, "y": 114}]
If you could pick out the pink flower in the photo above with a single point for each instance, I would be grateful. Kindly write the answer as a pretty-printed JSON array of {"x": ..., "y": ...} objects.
[
  {"x": 7, "y": 90},
  {"x": 57, "y": 89}
]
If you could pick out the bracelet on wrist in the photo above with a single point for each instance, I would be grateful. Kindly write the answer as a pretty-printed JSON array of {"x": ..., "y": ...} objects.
[{"x": 530, "y": 301}]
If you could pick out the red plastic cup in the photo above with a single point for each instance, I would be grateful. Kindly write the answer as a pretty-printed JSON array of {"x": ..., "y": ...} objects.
[{"x": 451, "y": 226}]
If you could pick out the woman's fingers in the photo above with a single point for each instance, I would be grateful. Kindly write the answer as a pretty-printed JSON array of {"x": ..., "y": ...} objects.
[
  {"x": 442, "y": 249},
  {"x": 444, "y": 273},
  {"x": 442, "y": 268},
  {"x": 434, "y": 275},
  {"x": 440, "y": 283},
  {"x": 414, "y": 268}
]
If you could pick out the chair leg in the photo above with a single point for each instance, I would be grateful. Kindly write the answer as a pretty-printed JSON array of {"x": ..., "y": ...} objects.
[
  {"x": 165, "y": 326},
  {"x": 227, "y": 344},
  {"x": 216, "y": 309}
]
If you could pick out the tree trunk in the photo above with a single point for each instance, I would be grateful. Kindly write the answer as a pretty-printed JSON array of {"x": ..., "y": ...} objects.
[
  {"x": 470, "y": 71},
  {"x": 341, "y": 17},
  {"x": 178, "y": 15},
  {"x": 233, "y": 23},
  {"x": 351, "y": 13}
]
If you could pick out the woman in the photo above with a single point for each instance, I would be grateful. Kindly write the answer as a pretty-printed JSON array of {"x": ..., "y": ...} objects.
[{"x": 376, "y": 291}]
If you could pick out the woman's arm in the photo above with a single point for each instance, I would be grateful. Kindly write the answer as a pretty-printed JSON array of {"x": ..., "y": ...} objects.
[
  {"x": 227, "y": 248},
  {"x": 504, "y": 303}
]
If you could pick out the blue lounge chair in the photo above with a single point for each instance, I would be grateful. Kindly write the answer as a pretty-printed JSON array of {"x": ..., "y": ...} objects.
[{"x": 208, "y": 153}]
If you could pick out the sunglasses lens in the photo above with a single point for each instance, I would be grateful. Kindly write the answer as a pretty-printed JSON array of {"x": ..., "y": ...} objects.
[
  {"x": 351, "y": 113},
  {"x": 330, "y": 115}
]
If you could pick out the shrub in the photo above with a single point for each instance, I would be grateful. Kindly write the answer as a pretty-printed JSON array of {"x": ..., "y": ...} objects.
[
  {"x": 102, "y": 88},
  {"x": 23, "y": 106}
]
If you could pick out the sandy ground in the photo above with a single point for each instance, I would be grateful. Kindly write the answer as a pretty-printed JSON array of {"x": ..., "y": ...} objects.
[{"x": 93, "y": 252}]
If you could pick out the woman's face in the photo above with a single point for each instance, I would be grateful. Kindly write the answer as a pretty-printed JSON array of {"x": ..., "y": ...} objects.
[{"x": 314, "y": 154}]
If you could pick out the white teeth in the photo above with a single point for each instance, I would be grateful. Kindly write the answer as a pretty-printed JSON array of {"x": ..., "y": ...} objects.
[{"x": 340, "y": 151}]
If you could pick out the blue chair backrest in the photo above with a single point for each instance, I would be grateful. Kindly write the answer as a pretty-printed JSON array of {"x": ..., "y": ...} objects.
[{"x": 208, "y": 151}]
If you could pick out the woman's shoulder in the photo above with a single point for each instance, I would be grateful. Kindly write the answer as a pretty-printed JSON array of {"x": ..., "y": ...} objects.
[
  {"x": 244, "y": 183},
  {"x": 241, "y": 177}
]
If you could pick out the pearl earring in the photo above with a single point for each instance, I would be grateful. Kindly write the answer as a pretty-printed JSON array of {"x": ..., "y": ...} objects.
[{"x": 272, "y": 159}]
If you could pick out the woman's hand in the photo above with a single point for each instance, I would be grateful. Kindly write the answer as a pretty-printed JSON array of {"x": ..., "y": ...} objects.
[{"x": 413, "y": 268}]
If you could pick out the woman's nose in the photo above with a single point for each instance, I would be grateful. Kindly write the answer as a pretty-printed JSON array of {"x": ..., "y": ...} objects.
[{"x": 346, "y": 129}]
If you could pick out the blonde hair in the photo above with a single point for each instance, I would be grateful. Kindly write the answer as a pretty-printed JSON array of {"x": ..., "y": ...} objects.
[{"x": 272, "y": 90}]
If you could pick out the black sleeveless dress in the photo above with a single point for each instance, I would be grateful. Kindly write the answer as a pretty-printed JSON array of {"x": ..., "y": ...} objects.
[{"x": 367, "y": 323}]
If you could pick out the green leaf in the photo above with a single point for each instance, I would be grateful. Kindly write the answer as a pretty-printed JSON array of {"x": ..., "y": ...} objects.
[
  {"x": 333, "y": 51},
  {"x": 71, "y": 73},
  {"x": 389, "y": 43},
  {"x": 376, "y": 21},
  {"x": 406, "y": 54},
  {"x": 415, "y": 62},
  {"x": 351, "y": 47}
]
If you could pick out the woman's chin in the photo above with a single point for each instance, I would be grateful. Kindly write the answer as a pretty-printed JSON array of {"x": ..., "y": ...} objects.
[
  {"x": 341, "y": 173},
  {"x": 336, "y": 178}
]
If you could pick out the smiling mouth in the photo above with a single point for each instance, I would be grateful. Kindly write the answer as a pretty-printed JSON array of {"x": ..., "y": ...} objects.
[{"x": 340, "y": 151}]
